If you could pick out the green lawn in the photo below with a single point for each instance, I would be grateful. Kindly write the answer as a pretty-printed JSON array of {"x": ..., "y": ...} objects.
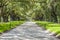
[
  {"x": 53, "y": 27},
  {"x": 5, "y": 26}
]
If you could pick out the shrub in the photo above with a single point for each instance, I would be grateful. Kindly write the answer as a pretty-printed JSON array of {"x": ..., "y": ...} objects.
[
  {"x": 9, "y": 25},
  {"x": 53, "y": 27}
]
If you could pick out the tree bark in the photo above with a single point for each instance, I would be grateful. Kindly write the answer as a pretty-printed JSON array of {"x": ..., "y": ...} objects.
[{"x": 53, "y": 12}]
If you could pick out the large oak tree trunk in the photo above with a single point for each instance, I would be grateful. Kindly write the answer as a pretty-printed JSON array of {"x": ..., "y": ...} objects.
[
  {"x": 53, "y": 12},
  {"x": 5, "y": 18},
  {"x": 4, "y": 15}
]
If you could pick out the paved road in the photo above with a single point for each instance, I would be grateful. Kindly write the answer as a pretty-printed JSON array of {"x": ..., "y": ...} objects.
[{"x": 27, "y": 31}]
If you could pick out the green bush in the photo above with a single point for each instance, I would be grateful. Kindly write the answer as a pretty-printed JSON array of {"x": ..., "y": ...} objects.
[
  {"x": 9, "y": 25},
  {"x": 43, "y": 23},
  {"x": 53, "y": 27}
]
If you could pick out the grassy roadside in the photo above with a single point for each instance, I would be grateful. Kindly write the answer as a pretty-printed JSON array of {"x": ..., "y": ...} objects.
[
  {"x": 53, "y": 27},
  {"x": 5, "y": 26}
]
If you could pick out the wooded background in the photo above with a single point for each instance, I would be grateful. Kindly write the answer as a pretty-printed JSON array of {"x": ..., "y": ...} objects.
[{"x": 42, "y": 10}]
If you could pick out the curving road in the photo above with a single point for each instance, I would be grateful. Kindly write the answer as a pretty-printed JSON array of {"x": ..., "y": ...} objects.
[{"x": 27, "y": 31}]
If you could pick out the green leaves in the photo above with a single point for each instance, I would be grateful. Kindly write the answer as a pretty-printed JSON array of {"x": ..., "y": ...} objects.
[
  {"x": 53, "y": 27},
  {"x": 41, "y": 9},
  {"x": 9, "y": 25}
]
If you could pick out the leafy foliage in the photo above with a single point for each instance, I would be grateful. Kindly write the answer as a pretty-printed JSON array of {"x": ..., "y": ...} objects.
[
  {"x": 47, "y": 10},
  {"x": 53, "y": 27},
  {"x": 9, "y": 25}
]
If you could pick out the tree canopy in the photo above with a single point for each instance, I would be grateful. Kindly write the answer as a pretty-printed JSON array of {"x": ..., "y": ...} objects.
[{"x": 47, "y": 10}]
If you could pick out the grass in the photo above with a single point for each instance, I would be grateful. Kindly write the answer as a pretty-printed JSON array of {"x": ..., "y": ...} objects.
[
  {"x": 53, "y": 27},
  {"x": 5, "y": 26}
]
